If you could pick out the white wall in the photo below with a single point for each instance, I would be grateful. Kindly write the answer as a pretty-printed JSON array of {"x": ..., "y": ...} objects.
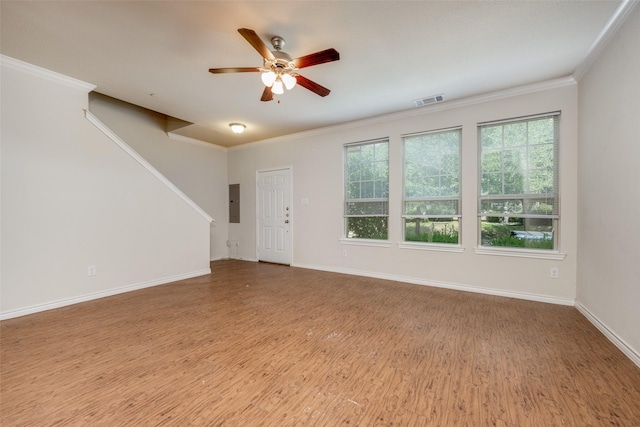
[
  {"x": 609, "y": 189},
  {"x": 72, "y": 198},
  {"x": 199, "y": 170},
  {"x": 317, "y": 161}
]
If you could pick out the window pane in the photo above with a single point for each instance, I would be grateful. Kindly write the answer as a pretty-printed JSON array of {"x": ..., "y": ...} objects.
[
  {"x": 385, "y": 189},
  {"x": 432, "y": 230},
  {"x": 533, "y": 206},
  {"x": 366, "y": 190},
  {"x": 491, "y": 137},
  {"x": 492, "y": 161},
  {"x": 353, "y": 191},
  {"x": 541, "y": 131},
  {"x": 513, "y": 183},
  {"x": 491, "y": 183},
  {"x": 367, "y": 208},
  {"x": 431, "y": 207},
  {"x": 541, "y": 182},
  {"x": 530, "y": 233},
  {"x": 514, "y": 159},
  {"x": 515, "y": 135},
  {"x": 449, "y": 186},
  {"x": 505, "y": 206},
  {"x": 543, "y": 206},
  {"x": 541, "y": 156},
  {"x": 367, "y": 227}
]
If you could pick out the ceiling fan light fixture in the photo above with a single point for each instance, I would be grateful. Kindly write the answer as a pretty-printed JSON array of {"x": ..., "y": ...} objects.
[
  {"x": 277, "y": 87},
  {"x": 268, "y": 77},
  {"x": 279, "y": 70},
  {"x": 237, "y": 127},
  {"x": 289, "y": 81}
]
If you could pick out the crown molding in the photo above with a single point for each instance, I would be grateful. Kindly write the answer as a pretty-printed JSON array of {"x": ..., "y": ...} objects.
[
  {"x": 193, "y": 141},
  {"x": 421, "y": 111},
  {"x": 46, "y": 74},
  {"x": 607, "y": 33}
]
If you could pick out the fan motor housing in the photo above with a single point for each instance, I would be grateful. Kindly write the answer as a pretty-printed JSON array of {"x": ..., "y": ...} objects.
[{"x": 282, "y": 62}]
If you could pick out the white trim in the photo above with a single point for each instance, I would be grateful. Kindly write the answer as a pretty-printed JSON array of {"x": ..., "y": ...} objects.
[
  {"x": 193, "y": 141},
  {"x": 445, "y": 285},
  {"x": 290, "y": 167},
  {"x": 115, "y": 138},
  {"x": 46, "y": 74},
  {"x": 420, "y": 111},
  {"x": 232, "y": 258},
  {"x": 96, "y": 295},
  {"x": 366, "y": 242},
  {"x": 437, "y": 247},
  {"x": 607, "y": 33},
  {"x": 611, "y": 336},
  {"x": 520, "y": 253}
]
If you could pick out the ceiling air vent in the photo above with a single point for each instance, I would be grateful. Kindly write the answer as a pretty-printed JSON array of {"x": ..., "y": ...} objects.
[{"x": 429, "y": 100}]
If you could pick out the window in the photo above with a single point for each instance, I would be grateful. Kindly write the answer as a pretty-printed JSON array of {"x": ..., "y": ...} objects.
[
  {"x": 518, "y": 203},
  {"x": 431, "y": 200},
  {"x": 366, "y": 208}
]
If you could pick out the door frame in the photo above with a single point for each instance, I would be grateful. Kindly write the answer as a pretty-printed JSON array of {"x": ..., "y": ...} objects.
[{"x": 292, "y": 221}]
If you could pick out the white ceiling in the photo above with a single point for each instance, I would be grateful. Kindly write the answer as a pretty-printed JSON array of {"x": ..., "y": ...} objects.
[{"x": 157, "y": 54}]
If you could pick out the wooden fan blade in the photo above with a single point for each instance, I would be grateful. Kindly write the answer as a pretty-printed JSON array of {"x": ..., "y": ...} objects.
[
  {"x": 234, "y": 70},
  {"x": 321, "y": 57},
  {"x": 267, "y": 95},
  {"x": 257, "y": 43},
  {"x": 312, "y": 86}
]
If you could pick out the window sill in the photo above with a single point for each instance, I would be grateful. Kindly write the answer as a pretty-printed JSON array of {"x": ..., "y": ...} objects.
[
  {"x": 521, "y": 253},
  {"x": 438, "y": 247},
  {"x": 366, "y": 242}
]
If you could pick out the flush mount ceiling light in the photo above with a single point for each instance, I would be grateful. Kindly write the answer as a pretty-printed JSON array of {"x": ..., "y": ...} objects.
[{"x": 237, "y": 127}]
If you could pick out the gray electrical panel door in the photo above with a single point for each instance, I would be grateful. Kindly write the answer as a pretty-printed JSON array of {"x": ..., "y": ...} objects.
[{"x": 234, "y": 203}]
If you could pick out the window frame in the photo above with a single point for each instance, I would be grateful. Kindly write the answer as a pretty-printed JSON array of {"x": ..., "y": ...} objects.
[
  {"x": 413, "y": 244},
  {"x": 554, "y": 216},
  {"x": 345, "y": 203}
]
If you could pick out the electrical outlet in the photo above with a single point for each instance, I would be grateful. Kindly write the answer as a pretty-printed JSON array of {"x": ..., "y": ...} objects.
[
  {"x": 344, "y": 252},
  {"x": 91, "y": 270},
  {"x": 554, "y": 272}
]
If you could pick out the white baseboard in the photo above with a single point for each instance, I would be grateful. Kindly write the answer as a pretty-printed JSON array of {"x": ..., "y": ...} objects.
[
  {"x": 446, "y": 285},
  {"x": 95, "y": 295},
  {"x": 244, "y": 259},
  {"x": 611, "y": 336}
]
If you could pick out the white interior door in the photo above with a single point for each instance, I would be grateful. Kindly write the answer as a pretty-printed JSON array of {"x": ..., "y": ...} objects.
[{"x": 274, "y": 216}]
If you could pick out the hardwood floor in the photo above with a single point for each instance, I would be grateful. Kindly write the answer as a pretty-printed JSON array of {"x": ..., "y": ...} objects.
[{"x": 267, "y": 345}]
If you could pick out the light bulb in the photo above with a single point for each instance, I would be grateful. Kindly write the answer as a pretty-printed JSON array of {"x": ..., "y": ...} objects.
[
  {"x": 289, "y": 81},
  {"x": 277, "y": 87},
  {"x": 268, "y": 77},
  {"x": 237, "y": 127}
]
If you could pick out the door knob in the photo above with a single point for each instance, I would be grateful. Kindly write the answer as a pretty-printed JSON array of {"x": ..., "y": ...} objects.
[{"x": 286, "y": 221}]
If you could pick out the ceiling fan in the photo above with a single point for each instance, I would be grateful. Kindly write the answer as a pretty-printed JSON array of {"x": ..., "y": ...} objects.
[{"x": 279, "y": 70}]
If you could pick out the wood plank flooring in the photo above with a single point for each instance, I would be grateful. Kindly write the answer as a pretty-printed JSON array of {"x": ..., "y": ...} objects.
[{"x": 265, "y": 345}]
